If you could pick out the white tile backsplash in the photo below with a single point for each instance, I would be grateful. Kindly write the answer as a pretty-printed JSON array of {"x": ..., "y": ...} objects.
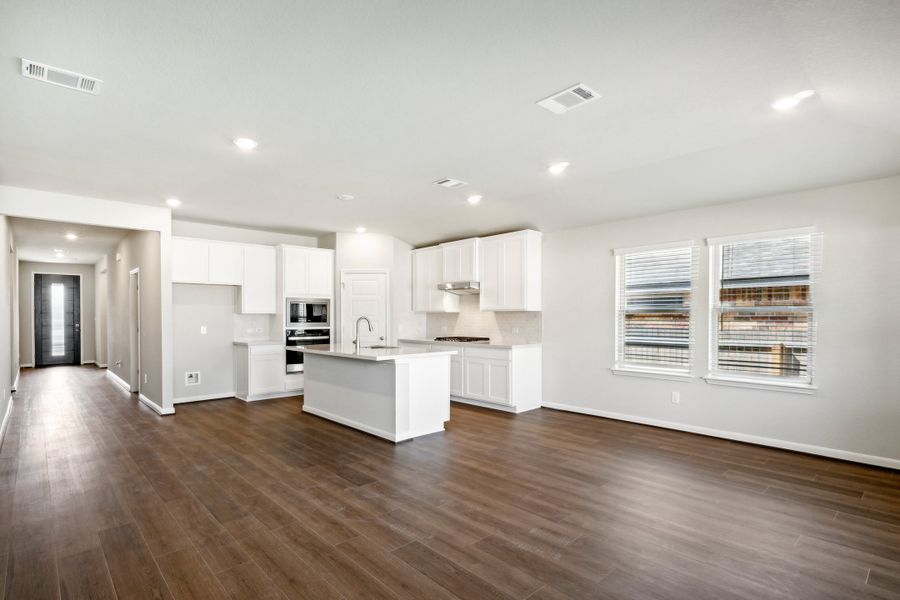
[{"x": 498, "y": 326}]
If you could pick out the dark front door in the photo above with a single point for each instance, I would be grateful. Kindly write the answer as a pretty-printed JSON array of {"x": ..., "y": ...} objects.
[{"x": 57, "y": 320}]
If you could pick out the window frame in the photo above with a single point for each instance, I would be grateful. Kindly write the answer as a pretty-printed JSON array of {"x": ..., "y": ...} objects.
[
  {"x": 620, "y": 366},
  {"x": 716, "y": 376}
]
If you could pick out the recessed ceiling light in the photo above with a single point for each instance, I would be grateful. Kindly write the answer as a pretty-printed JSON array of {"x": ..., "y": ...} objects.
[
  {"x": 473, "y": 200},
  {"x": 789, "y": 102},
  {"x": 360, "y": 229},
  {"x": 557, "y": 168},
  {"x": 71, "y": 237},
  {"x": 245, "y": 143},
  {"x": 345, "y": 197},
  {"x": 173, "y": 202}
]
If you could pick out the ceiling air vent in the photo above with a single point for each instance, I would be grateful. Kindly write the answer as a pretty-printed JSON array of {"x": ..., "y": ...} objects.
[
  {"x": 61, "y": 77},
  {"x": 568, "y": 99},
  {"x": 452, "y": 184}
]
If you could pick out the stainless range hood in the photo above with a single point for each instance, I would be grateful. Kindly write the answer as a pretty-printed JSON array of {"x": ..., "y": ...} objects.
[{"x": 461, "y": 288}]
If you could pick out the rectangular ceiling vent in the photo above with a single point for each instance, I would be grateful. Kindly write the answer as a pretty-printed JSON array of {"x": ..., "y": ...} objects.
[
  {"x": 452, "y": 184},
  {"x": 568, "y": 99},
  {"x": 61, "y": 77}
]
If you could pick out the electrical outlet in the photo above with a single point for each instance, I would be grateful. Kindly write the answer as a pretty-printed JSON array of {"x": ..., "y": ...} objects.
[
  {"x": 258, "y": 330},
  {"x": 203, "y": 330},
  {"x": 146, "y": 377},
  {"x": 676, "y": 397},
  {"x": 515, "y": 330},
  {"x": 192, "y": 378}
]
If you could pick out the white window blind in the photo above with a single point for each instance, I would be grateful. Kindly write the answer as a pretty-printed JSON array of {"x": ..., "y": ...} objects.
[
  {"x": 654, "y": 329},
  {"x": 763, "y": 324}
]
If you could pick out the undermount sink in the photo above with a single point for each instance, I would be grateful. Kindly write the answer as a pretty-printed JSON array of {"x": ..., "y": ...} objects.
[{"x": 380, "y": 347}]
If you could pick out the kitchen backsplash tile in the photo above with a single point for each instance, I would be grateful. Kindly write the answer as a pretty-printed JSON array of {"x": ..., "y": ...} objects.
[{"x": 472, "y": 321}]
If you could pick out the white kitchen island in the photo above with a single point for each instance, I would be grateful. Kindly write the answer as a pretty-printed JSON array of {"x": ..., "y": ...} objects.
[{"x": 394, "y": 393}]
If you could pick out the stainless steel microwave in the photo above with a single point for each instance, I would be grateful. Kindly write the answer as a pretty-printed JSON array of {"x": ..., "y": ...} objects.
[{"x": 307, "y": 312}]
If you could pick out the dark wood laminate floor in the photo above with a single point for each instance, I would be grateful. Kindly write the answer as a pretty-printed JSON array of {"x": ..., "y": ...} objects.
[{"x": 100, "y": 498}]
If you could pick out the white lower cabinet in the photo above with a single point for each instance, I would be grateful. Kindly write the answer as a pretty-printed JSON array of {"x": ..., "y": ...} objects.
[
  {"x": 259, "y": 371},
  {"x": 504, "y": 378}
]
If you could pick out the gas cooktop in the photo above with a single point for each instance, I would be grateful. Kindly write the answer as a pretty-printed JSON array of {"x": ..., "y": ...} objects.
[{"x": 463, "y": 338}]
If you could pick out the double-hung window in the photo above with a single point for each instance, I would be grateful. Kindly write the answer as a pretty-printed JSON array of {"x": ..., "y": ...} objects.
[
  {"x": 654, "y": 295},
  {"x": 762, "y": 327}
]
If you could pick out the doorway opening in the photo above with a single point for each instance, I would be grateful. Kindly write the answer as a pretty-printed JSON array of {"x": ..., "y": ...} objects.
[
  {"x": 57, "y": 319},
  {"x": 134, "y": 329}
]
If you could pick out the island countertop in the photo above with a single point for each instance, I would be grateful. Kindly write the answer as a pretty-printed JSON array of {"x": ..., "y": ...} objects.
[{"x": 374, "y": 354}]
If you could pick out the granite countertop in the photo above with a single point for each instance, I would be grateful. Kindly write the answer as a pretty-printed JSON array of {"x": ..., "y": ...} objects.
[
  {"x": 502, "y": 343},
  {"x": 254, "y": 342},
  {"x": 376, "y": 354}
]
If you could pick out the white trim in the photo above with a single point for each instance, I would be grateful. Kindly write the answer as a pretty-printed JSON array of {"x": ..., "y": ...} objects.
[
  {"x": 271, "y": 396},
  {"x": 102, "y": 365},
  {"x": 154, "y": 406},
  {"x": 135, "y": 361},
  {"x": 202, "y": 397},
  {"x": 652, "y": 373},
  {"x": 869, "y": 459},
  {"x": 491, "y": 405},
  {"x": 118, "y": 380},
  {"x": 15, "y": 384},
  {"x": 26, "y": 365},
  {"x": 654, "y": 247},
  {"x": 6, "y": 420},
  {"x": 778, "y": 233},
  {"x": 761, "y": 384}
]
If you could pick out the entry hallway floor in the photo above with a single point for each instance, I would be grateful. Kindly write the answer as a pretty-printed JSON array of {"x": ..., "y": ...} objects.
[{"x": 101, "y": 498}]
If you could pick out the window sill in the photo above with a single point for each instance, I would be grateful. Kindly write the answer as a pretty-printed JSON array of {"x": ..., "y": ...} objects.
[
  {"x": 652, "y": 373},
  {"x": 772, "y": 386}
]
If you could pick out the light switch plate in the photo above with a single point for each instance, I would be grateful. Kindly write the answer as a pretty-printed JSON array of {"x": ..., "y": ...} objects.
[{"x": 203, "y": 330}]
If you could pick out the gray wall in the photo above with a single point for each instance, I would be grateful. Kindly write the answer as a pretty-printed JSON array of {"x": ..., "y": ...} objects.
[
  {"x": 8, "y": 369},
  {"x": 212, "y": 354},
  {"x": 857, "y": 406},
  {"x": 27, "y": 270},
  {"x": 101, "y": 315},
  {"x": 139, "y": 249}
]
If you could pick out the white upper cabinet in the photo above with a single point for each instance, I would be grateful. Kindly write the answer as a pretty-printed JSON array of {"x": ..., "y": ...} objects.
[
  {"x": 427, "y": 273},
  {"x": 461, "y": 260},
  {"x": 190, "y": 261},
  {"x": 258, "y": 291},
  {"x": 226, "y": 263},
  {"x": 308, "y": 272},
  {"x": 510, "y": 270}
]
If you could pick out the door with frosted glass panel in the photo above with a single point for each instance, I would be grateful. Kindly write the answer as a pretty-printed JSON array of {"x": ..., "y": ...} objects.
[{"x": 57, "y": 320}]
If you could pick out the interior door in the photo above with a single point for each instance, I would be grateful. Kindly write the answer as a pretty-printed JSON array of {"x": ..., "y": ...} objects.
[
  {"x": 364, "y": 295},
  {"x": 57, "y": 320}
]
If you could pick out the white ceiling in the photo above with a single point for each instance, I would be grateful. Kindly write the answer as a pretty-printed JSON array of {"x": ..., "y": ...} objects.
[
  {"x": 39, "y": 240},
  {"x": 379, "y": 99}
]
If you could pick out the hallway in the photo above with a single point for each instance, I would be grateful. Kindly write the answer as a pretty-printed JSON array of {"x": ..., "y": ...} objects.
[{"x": 101, "y": 498}]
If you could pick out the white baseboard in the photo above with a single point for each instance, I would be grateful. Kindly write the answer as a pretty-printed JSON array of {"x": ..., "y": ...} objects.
[
  {"x": 15, "y": 384},
  {"x": 491, "y": 405},
  {"x": 26, "y": 365},
  {"x": 202, "y": 397},
  {"x": 156, "y": 407},
  {"x": 6, "y": 420},
  {"x": 102, "y": 365},
  {"x": 878, "y": 461},
  {"x": 272, "y": 396},
  {"x": 119, "y": 381}
]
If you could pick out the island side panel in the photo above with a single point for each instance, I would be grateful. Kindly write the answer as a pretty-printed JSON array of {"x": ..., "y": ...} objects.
[
  {"x": 356, "y": 393},
  {"x": 423, "y": 395}
]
